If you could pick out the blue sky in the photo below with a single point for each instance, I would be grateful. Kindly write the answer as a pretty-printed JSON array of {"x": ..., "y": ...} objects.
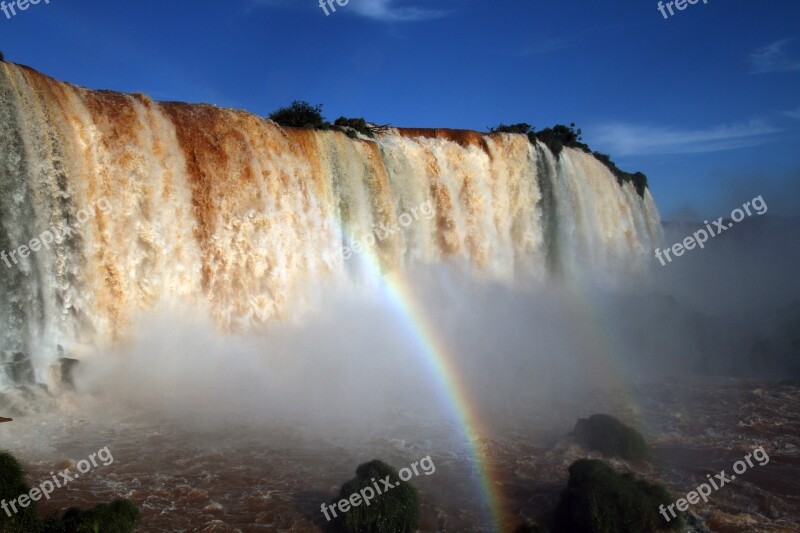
[{"x": 706, "y": 103}]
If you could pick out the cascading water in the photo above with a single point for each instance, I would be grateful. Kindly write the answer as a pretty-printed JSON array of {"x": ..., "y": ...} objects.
[{"x": 176, "y": 204}]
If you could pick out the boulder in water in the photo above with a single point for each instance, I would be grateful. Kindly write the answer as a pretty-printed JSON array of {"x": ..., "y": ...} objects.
[
  {"x": 599, "y": 500},
  {"x": 12, "y": 485},
  {"x": 609, "y": 436},
  {"x": 395, "y": 509},
  {"x": 119, "y": 516}
]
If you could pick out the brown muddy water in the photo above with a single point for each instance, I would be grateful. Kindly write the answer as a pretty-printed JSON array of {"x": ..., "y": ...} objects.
[{"x": 247, "y": 475}]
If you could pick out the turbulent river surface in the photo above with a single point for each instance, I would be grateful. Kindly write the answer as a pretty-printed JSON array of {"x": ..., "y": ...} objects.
[{"x": 242, "y": 477}]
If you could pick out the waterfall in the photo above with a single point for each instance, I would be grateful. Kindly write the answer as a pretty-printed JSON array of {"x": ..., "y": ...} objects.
[{"x": 153, "y": 203}]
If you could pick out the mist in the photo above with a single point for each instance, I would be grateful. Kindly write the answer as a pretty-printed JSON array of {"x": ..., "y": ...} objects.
[{"x": 354, "y": 361}]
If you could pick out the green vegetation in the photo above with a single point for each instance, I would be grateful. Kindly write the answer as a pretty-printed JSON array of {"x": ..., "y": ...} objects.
[
  {"x": 2, "y": 57},
  {"x": 609, "y": 436},
  {"x": 12, "y": 484},
  {"x": 304, "y": 115},
  {"x": 299, "y": 115},
  {"x": 559, "y": 136},
  {"x": 599, "y": 500},
  {"x": 556, "y": 138},
  {"x": 523, "y": 128},
  {"x": 119, "y": 516},
  {"x": 396, "y": 509},
  {"x": 638, "y": 179},
  {"x": 358, "y": 124}
]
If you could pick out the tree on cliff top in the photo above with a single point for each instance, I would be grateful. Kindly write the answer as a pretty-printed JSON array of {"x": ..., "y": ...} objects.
[{"x": 299, "y": 115}]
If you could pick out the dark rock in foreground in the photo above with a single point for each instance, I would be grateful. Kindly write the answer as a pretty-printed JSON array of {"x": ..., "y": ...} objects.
[
  {"x": 599, "y": 500},
  {"x": 609, "y": 436}
]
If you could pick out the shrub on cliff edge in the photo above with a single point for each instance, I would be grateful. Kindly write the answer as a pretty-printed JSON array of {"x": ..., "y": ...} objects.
[
  {"x": 299, "y": 115},
  {"x": 559, "y": 136},
  {"x": 357, "y": 124}
]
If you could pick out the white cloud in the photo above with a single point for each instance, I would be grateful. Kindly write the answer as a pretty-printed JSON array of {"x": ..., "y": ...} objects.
[
  {"x": 630, "y": 139},
  {"x": 380, "y": 10},
  {"x": 793, "y": 113},
  {"x": 773, "y": 58},
  {"x": 388, "y": 10}
]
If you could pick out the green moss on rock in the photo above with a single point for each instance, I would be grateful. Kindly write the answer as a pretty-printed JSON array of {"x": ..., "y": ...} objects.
[
  {"x": 396, "y": 510},
  {"x": 12, "y": 485},
  {"x": 119, "y": 516},
  {"x": 609, "y": 436},
  {"x": 599, "y": 500}
]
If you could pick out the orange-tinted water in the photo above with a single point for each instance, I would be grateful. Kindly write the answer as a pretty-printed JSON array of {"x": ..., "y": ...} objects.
[{"x": 248, "y": 476}]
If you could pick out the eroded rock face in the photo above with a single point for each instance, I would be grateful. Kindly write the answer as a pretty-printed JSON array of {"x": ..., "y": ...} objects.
[{"x": 24, "y": 391}]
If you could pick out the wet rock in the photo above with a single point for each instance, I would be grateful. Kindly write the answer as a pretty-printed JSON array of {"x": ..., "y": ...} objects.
[
  {"x": 68, "y": 366},
  {"x": 609, "y": 436},
  {"x": 599, "y": 499},
  {"x": 19, "y": 369}
]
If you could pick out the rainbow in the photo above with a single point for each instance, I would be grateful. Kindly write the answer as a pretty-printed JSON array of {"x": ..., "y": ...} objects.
[{"x": 443, "y": 367}]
